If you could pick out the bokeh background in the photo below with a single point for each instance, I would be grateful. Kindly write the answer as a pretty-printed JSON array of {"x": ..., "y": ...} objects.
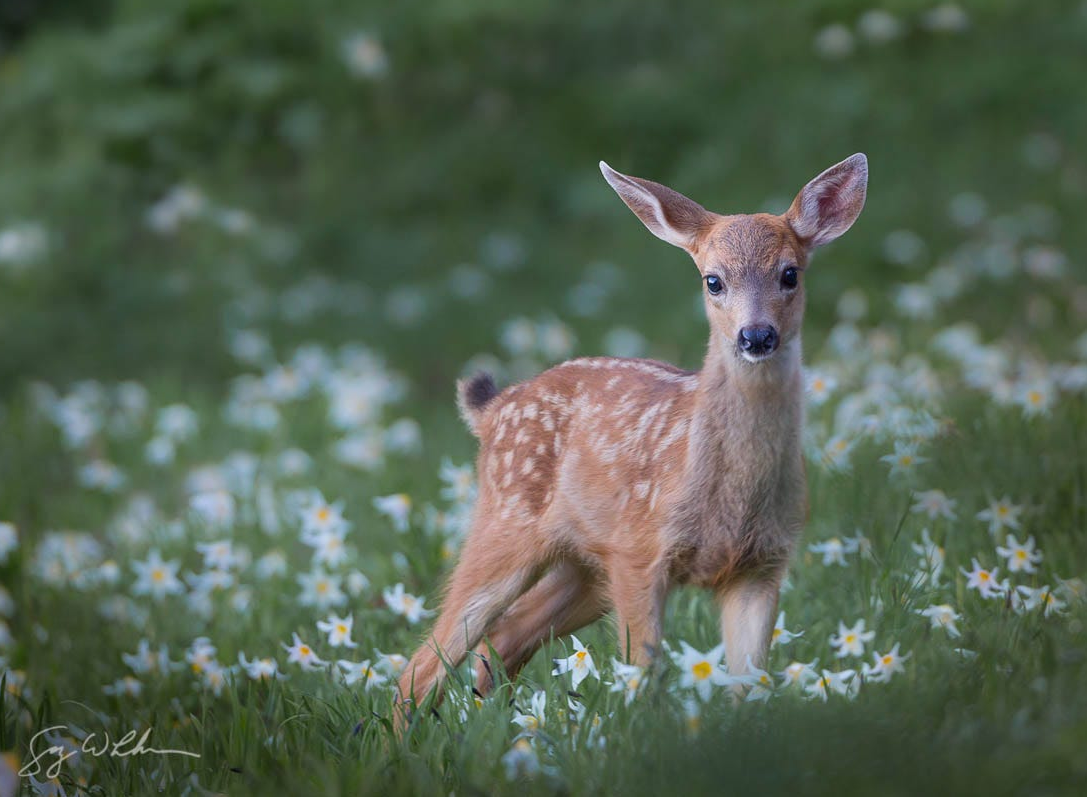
[
  {"x": 419, "y": 172},
  {"x": 201, "y": 200}
]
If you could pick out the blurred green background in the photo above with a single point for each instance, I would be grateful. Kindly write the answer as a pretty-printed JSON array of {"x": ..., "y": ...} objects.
[{"x": 387, "y": 155}]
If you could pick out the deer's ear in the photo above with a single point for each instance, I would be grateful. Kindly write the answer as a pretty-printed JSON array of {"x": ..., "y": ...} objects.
[
  {"x": 668, "y": 214},
  {"x": 828, "y": 205}
]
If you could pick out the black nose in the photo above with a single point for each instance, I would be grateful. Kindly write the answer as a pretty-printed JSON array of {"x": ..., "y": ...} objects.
[{"x": 758, "y": 340}]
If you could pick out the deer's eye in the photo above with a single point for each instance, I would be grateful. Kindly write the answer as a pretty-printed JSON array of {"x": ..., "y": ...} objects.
[
  {"x": 789, "y": 278},
  {"x": 714, "y": 284}
]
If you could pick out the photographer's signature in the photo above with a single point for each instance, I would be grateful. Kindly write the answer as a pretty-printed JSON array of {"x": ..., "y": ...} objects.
[{"x": 50, "y": 759}]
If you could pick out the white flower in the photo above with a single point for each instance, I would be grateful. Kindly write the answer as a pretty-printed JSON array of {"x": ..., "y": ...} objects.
[
  {"x": 272, "y": 564},
  {"x": 1035, "y": 397},
  {"x": 338, "y": 630},
  {"x": 128, "y": 686},
  {"x": 984, "y": 581},
  {"x": 780, "y": 635},
  {"x": 177, "y": 422},
  {"x": 459, "y": 482},
  {"x": 934, "y": 503},
  {"x": 836, "y": 452},
  {"x": 886, "y": 665},
  {"x": 762, "y": 684},
  {"x": 942, "y": 615},
  {"x": 156, "y": 577},
  {"x": 1042, "y": 596},
  {"x": 303, "y": 654},
  {"x": 357, "y": 583},
  {"x": 214, "y": 508},
  {"x": 353, "y": 672},
  {"x": 948, "y": 18},
  {"x": 833, "y": 551},
  {"x": 362, "y": 450},
  {"x": 218, "y": 555},
  {"x": 364, "y": 55},
  {"x": 405, "y": 604},
  {"x": 201, "y": 654},
  {"x": 396, "y": 507},
  {"x": 628, "y": 680},
  {"x": 260, "y": 669},
  {"x": 1073, "y": 589},
  {"x": 532, "y": 720},
  {"x": 404, "y": 436},
  {"x": 849, "y": 641},
  {"x": 328, "y": 548},
  {"x": 521, "y": 761},
  {"x": 145, "y": 660},
  {"x": 799, "y": 672},
  {"x": 834, "y": 42},
  {"x": 320, "y": 518},
  {"x": 932, "y": 559},
  {"x": 1021, "y": 556},
  {"x": 320, "y": 589},
  {"x": 1000, "y": 515},
  {"x": 159, "y": 451},
  {"x": 820, "y": 386},
  {"x": 878, "y": 26},
  {"x": 843, "y": 682},
  {"x": 101, "y": 475},
  {"x": 904, "y": 459},
  {"x": 392, "y": 664},
  {"x": 701, "y": 671},
  {"x": 579, "y": 664}
]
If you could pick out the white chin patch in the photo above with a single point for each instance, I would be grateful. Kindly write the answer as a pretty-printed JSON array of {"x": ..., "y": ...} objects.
[{"x": 756, "y": 358}]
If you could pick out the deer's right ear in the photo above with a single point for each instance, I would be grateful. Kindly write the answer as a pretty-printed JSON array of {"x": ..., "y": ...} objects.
[{"x": 668, "y": 214}]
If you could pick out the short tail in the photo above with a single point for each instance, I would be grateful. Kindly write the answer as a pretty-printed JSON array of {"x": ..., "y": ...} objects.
[{"x": 473, "y": 396}]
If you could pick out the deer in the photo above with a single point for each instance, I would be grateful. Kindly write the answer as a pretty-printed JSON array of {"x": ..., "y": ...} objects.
[{"x": 603, "y": 482}]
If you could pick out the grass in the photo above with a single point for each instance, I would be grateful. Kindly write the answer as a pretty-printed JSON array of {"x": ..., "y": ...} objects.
[{"x": 428, "y": 213}]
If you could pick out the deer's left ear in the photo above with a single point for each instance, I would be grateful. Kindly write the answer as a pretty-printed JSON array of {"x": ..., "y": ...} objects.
[
  {"x": 668, "y": 214},
  {"x": 828, "y": 205}
]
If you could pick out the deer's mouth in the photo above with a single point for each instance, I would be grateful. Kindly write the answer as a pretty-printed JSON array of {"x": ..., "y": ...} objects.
[{"x": 752, "y": 357}]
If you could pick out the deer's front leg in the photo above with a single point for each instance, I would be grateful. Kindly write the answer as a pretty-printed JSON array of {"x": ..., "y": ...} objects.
[
  {"x": 748, "y": 608},
  {"x": 638, "y": 588}
]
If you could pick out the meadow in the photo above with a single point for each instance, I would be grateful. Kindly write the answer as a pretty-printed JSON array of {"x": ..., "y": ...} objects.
[{"x": 247, "y": 249}]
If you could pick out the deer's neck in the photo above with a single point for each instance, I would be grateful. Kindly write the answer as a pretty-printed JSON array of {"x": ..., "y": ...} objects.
[{"x": 748, "y": 412}]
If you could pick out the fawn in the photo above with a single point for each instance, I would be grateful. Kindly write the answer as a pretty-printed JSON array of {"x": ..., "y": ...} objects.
[{"x": 604, "y": 482}]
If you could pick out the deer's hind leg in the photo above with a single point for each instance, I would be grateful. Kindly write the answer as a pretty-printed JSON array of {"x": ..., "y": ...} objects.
[
  {"x": 496, "y": 566},
  {"x": 567, "y": 598}
]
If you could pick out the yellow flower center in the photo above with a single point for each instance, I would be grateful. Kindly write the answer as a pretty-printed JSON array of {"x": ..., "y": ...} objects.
[
  {"x": 304, "y": 650},
  {"x": 702, "y": 670},
  {"x": 983, "y": 575},
  {"x": 323, "y": 513},
  {"x": 905, "y": 459},
  {"x": 1034, "y": 397},
  {"x": 322, "y": 586},
  {"x": 580, "y": 655},
  {"x": 1021, "y": 554},
  {"x": 1002, "y": 510},
  {"x": 888, "y": 660},
  {"x": 158, "y": 574},
  {"x": 850, "y": 639},
  {"x": 341, "y": 628}
]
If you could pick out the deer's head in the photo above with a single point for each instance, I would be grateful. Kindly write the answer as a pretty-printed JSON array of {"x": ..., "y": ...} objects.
[{"x": 753, "y": 266}]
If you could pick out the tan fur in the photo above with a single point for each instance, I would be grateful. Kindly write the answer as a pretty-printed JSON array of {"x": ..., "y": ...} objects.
[{"x": 604, "y": 482}]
